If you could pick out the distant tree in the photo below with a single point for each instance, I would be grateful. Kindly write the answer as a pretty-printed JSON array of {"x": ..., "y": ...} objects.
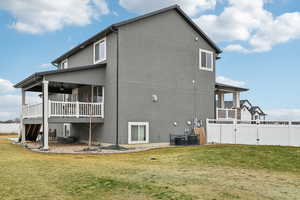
[{"x": 16, "y": 120}]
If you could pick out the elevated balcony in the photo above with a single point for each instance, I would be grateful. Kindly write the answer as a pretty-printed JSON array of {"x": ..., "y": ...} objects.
[
  {"x": 86, "y": 83},
  {"x": 230, "y": 109}
]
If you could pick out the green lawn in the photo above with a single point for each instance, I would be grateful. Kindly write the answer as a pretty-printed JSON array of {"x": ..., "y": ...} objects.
[{"x": 207, "y": 172}]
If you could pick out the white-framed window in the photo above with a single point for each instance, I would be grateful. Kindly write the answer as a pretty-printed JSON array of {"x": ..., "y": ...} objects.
[
  {"x": 64, "y": 64},
  {"x": 100, "y": 51},
  {"x": 206, "y": 60},
  {"x": 138, "y": 132}
]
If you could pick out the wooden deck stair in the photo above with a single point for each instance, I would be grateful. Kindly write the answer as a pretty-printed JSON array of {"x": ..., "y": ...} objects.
[{"x": 32, "y": 131}]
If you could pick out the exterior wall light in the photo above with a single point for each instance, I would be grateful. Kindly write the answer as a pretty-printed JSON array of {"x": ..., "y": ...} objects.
[
  {"x": 154, "y": 98},
  {"x": 189, "y": 123}
]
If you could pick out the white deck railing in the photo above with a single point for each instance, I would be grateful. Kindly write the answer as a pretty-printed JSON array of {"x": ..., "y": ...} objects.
[
  {"x": 32, "y": 111},
  {"x": 65, "y": 109},
  {"x": 223, "y": 113}
]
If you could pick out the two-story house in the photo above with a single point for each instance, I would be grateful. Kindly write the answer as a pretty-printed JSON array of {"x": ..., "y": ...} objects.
[{"x": 136, "y": 81}]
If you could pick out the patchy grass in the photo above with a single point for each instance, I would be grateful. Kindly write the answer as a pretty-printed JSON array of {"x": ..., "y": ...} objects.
[
  {"x": 9, "y": 134},
  {"x": 207, "y": 172},
  {"x": 274, "y": 158}
]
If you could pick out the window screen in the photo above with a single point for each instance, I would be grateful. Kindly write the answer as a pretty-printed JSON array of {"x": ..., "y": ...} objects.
[
  {"x": 138, "y": 133},
  {"x": 205, "y": 60},
  {"x": 100, "y": 51},
  {"x": 97, "y": 57}
]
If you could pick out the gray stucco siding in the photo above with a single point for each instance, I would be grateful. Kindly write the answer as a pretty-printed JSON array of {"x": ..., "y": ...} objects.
[
  {"x": 86, "y": 77},
  {"x": 86, "y": 55},
  {"x": 81, "y": 131},
  {"x": 106, "y": 77},
  {"x": 107, "y": 132},
  {"x": 83, "y": 57},
  {"x": 159, "y": 55}
]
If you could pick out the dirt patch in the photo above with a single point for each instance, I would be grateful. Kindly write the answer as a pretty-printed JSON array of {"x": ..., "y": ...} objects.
[{"x": 84, "y": 149}]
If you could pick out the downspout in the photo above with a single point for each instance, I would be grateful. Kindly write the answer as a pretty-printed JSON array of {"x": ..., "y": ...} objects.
[{"x": 115, "y": 30}]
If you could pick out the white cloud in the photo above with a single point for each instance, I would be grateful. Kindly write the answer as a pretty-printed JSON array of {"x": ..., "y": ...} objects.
[
  {"x": 241, "y": 21},
  {"x": 10, "y": 105},
  {"x": 7, "y": 115},
  {"x": 250, "y": 22},
  {"x": 236, "y": 47},
  {"x": 101, "y": 7},
  {"x": 228, "y": 81},
  {"x": 10, "y": 100},
  {"x": 283, "y": 29},
  {"x": 115, "y": 13},
  {"x": 46, "y": 65},
  {"x": 38, "y": 16},
  {"x": 192, "y": 7},
  {"x": 5, "y": 86},
  {"x": 283, "y": 114}
]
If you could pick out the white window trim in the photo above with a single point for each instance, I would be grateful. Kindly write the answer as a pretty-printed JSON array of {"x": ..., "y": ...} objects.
[
  {"x": 64, "y": 61},
  {"x": 212, "y": 60},
  {"x": 130, "y": 124},
  {"x": 94, "y": 54}
]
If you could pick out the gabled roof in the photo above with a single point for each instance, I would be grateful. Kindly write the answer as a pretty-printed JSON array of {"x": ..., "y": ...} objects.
[
  {"x": 255, "y": 108},
  {"x": 243, "y": 102},
  {"x": 243, "y": 106},
  {"x": 252, "y": 109},
  {"x": 229, "y": 104},
  {"x": 114, "y": 27},
  {"x": 221, "y": 86}
]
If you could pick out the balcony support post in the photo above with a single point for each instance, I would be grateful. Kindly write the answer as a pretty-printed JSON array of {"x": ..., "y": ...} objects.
[
  {"x": 23, "y": 103},
  {"x": 221, "y": 101},
  {"x": 45, "y": 115},
  {"x": 236, "y": 99},
  {"x": 91, "y": 110},
  {"x": 77, "y": 109}
]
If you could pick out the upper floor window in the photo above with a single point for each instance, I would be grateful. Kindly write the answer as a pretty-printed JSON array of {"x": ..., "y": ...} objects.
[
  {"x": 206, "y": 61},
  {"x": 64, "y": 64},
  {"x": 100, "y": 51}
]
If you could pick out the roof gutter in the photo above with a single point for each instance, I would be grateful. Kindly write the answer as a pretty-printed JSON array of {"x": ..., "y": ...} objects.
[{"x": 32, "y": 78}]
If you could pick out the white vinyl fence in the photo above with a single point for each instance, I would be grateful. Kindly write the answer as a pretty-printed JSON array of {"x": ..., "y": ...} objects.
[
  {"x": 285, "y": 133},
  {"x": 9, "y": 128}
]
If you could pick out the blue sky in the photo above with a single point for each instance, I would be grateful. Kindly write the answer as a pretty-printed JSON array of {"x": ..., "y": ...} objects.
[{"x": 260, "y": 39}]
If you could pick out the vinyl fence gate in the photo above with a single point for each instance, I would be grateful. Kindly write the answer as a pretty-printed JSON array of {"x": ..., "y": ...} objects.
[{"x": 284, "y": 133}]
